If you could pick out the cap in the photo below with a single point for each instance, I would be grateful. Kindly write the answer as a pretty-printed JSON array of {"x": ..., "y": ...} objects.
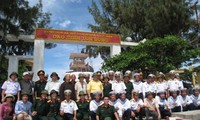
[
  {"x": 81, "y": 93},
  {"x": 111, "y": 72},
  {"x": 149, "y": 93},
  {"x": 127, "y": 75},
  {"x": 161, "y": 92},
  {"x": 81, "y": 75},
  {"x": 53, "y": 91},
  {"x": 136, "y": 74},
  {"x": 117, "y": 73},
  {"x": 97, "y": 93},
  {"x": 40, "y": 72},
  {"x": 25, "y": 73},
  {"x": 112, "y": 93},
  {"x": 128, "y": 72},
  {"x": 173, "y": 90},
  {"x": 151, "y": 75},
  {"x": 196, "y": 87},
  {"x": 87, "y": 75},
  {"x": 172, "y": 72},
  {"x": 13, "y": 73},
  {"x": 68, "y": 92},
  {"x": 183, "y": 89},
  {"x": 94, "y": 74},
  {"x": 98, "y": 72},
  {"x": 7, "y": 96},
  {"x": 135, "y": 92},
  {"x": 44, "y": 92},
  {"x": 24, "y": 93},
  {"x": 122, "y": 92},
  {"x": 177, "y": 75}
]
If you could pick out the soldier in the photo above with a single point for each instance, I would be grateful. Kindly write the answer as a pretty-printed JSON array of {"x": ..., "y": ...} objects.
[
  {"x": 129, "y": 85},
  {"x": 106, "y": 111},
  {"x": 11, "y": 86},
  {"x": 40, "y": 107},
  {"x": 40, "y": 84},
  {"x": 54, "y": 106},
  {"x": 106, "y": 85},
  {"x": 128, "y": 72},
  {"x": 68, "y": 108},
  {"x": 83, "y": 107},
  {"x": 94, "y": 104}
]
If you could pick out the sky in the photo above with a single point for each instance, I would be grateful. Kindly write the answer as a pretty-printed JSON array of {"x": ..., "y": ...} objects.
[{"x": 66, "y": 15}]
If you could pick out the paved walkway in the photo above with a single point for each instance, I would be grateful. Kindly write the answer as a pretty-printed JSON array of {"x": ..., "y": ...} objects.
[{"x": 189, "y": 115}]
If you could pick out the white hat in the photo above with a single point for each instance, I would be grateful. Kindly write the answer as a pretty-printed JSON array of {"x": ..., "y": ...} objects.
[
  {"x": 161, "y": 73},
  {"x": 177, "y": 74},
  {"x": 128, "y": 72},
  {"x": 25, "y": 73},
  {"x": 151, "y": 75},
  {"x": 122, "y": 92},
  {"x": 136, "y": 74},
  {"x": 67, "y": 92},
  {"x": 117, "y": 73},
  {"x": 9, "y": 95},
  {"x": 172, "y": 72},
  {"x": 111, "y": 72},
  {"x": 112, "y": 92}
]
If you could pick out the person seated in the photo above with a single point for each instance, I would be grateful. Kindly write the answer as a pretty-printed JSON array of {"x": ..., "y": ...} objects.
[
  {"x": 196, "y": 97},
  {"x": 106, "y": 111},
  {"x": 83, "y": 107},
  {"x": 23, "y": 108},
  {"x": 163, "y": 105},
  {"x": 68, "y": 107},
  {"x": 7, "y": 108},
  {"x": 174, "y": 101},
  {"x": 40, "y": 107},
  {"x": 151, "y": 107},
  {"x": 94, "y": 104},
  {"x": 123, "y": 106},
  {"x": 113, "y": 98},
  {"x": 137, "y": 106},
  {"x": 54, "y": 106},
  {"x": 186, "y": 101}
]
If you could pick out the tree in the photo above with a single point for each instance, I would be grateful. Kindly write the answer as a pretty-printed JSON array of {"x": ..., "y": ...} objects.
[
  {"x": 141, "y": 19},
  {"x": 158, "y": 54}
]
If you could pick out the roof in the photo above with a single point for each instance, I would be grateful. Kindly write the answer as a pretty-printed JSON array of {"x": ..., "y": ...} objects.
[{"x": 78, "y": 55}]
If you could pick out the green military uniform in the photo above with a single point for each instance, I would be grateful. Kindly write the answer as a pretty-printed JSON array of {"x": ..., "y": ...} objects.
[
  {"x": 42, "y": 108},
  {"x": 106, "y": 113},
  {"x": 39, "y": 86},
  {"x": 54, "y": 109},
  {"x": 106, "y": 89},
  {"x": 83, "y": 110},
  {"x": 129, "y": 88}
]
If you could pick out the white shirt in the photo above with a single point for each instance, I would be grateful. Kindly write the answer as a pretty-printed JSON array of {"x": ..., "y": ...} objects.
[
  {"x": 148, "y": 87},
  {"x": 161, "y": 86},
  {"x": 138, "y": 86},
  {"x": 113, "y": 103},
  {"x": 94, "y": 105},
  {"x": 118, "y": 87},
  {"x": 135, "y": 104},
  {"x": 185, "y": 100},
  {"x": 53, "y": 85},
  {"x": 12, "y": 87},
  {"x": 122, "y": 105},
  {"x": 174, "y": 84},
  {"x": 68, "y": 107},
  {"x": 161, "y": 102},
  {"x": 195, "y": 99},
  {"x": 171, "y": 102},
  {"x": 79, "y": 87}
]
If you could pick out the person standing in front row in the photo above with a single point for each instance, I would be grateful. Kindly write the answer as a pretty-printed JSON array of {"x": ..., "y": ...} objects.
[
  {"x": 40, "y": 84},
  {"x": 11, "y": 86},
  {"x": 68, "y": 107},
  {"x": 94, "y": 86}
]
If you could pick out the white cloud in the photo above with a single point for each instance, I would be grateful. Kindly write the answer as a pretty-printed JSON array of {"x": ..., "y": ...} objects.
[{"x": 65, "y": 23}]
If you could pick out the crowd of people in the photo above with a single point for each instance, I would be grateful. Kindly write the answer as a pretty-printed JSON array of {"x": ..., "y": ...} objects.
[{"x": 104, "y": 96}]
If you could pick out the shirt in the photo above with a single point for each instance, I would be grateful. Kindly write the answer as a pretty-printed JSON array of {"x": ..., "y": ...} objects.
[
  {"x": 138, "y": 86},
  {"x": 161, "y": 86},
  {"x": 64, "y": 86},
  {"x": 53, "y": 85},
  {"x": 174, "y": 84},
  {"x": 94, "y": 105},
  {"x": 94, "y": 86},
  {"x": 195, "y": 99},
  {"x": 185, "y": 100},
  {"x": 151, "y": 104},
  {"x": 5, "y": 111},
  {"x": 23, "y": 107},
  {"x": 122, "y": 105},
  {"x": 161, "y": 102},
  {"x": 26, "y": 86},
  {"x": 135, "y": 104},
  {"x": 68, "y": 107},
  {"x": 39, "y": 86},
  {"x": 80, "y": 87},
  {"x": 173, "y": 102},
  {"x": 118, "y": 87},
  {"x": 12, "y": 87},
  {"x": 148, "y": 87},
  {"x": 104, "y": 112}
]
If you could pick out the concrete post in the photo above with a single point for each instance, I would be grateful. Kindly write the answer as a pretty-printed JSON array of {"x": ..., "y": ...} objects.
[
  {"x": 115, "y": 50},
  {"x": 12, "y": 64},
  {"x": 38, "y": 59}
]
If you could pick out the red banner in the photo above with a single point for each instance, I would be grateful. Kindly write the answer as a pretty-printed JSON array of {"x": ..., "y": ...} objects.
[{"x": 76, "y": 36}]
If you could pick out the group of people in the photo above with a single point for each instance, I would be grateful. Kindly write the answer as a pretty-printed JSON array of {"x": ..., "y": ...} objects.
[{"x": 107, "y": 96}]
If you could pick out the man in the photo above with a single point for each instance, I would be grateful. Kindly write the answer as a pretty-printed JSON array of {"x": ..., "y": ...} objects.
[
  {"x": 148, "y": 85},
  {"x": 174, "y": 101},
  {"x": 94, "y": 86},
  {"x": 54, "y": 84},
  {"x": 27, "y": 86},
  {"x": 138, "y": 85},
  {"x": 83, "y": 107},
  {"x": 81, "y": 85},
  {"x": 196, "y": 97},
  {"x": 128, "y": 72},
  {"x": 113, "y": 98},
  {"x": 161, "y": 85},
  {"x": 186, "y": 101},
  {"x": 118, "y": 86},
  {"x": 173, "y": 83},
  {"x": 68, "y": 108},
  {"x": 87, "y": 77},
  {"x": 111, "y": 76},
  {"x": 46, "y": 76},
  {"x": 40, "y": 84},
  {"x": 99, "y": 75},
  {"x": 23, "y": 108},
  {"x": 106, "y": 111},
  {"x": 129, "y": 85},
  {"x": 67, "y": 85},
  {"x": 54, "y": 106},
  {"x": 11, "y": 86},
  {"x": 40, "y": 107}
]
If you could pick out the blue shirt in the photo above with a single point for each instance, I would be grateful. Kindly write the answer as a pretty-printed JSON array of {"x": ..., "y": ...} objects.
[
  {"x": 23, "y": 107},
  {"x": 12, "y": 87}
]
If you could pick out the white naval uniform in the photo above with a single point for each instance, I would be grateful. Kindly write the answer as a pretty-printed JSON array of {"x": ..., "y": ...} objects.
[
  {"x": 94, "y": 105},
  {"x": 161, "y": 102},
  {"x": 135, "y": 104},
  {"x": 148, "y": 87},
  {"x": 138, "y": 86},
  {"x": 195, "y": 99},
  {"x": 122, "y": 105},
  {"x": 171, "y": 102},
  {"x": 161, "y": 86},
  {"x": 113, "y": 103},
  {"x": 185, "y": 100},
  {"x": 68, "y": 107},
  {"x": 117, "y": 87},
  {"x": 174, "y": 84}
]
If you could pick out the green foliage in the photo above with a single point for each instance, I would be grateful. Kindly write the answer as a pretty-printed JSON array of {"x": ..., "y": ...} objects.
[{"x": 159, "y": 54}]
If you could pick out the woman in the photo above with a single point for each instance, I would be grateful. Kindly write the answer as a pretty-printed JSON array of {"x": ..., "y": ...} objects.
[
  {"x": 7, "y": 108},
  {"x": 81, "y": 85}
]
